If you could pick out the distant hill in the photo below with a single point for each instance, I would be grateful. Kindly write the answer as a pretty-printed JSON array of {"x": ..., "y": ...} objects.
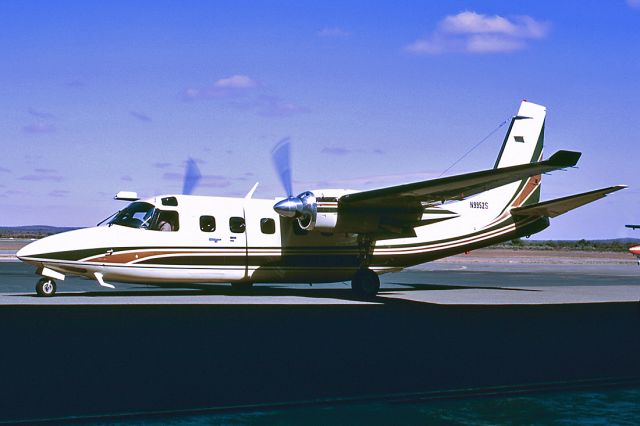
[
  {"x": 32, "y": 231},
  {"x": 613, "y": 244}
]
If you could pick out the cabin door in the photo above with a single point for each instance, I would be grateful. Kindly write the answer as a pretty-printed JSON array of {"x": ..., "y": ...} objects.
[
  {"x": 263, "y": 240},
  {"x": 228, "y": 241}
]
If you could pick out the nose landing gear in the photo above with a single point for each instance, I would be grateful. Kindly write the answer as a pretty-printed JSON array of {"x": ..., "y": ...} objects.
[{"x": 46, "y": 287}]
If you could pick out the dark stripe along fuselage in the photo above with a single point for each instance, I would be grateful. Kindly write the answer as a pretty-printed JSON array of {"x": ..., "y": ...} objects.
[{"x": 298, "y": 257}]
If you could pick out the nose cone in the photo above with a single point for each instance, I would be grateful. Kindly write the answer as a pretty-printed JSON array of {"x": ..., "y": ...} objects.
[
  {"x": 48, "y": 247},
  {"x": 289, "y": 207},
  {"x": 27, "y": 251},
  {"x": 34, "y": 249},
  {"x": 635, "y": 250}
]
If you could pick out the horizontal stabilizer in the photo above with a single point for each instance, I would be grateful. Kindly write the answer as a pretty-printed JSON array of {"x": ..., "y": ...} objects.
[
  {"x": 564, "y": 158},
  {"x": 562, "y": 205}
]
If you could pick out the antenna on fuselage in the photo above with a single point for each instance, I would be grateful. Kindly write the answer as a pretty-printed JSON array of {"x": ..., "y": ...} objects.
[{"x": 251, "y": 191}]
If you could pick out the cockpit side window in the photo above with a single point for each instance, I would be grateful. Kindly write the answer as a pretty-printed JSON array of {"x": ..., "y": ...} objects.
[
  {"x": 135, "y": 215},
  {"x": 168, "y": 221}
]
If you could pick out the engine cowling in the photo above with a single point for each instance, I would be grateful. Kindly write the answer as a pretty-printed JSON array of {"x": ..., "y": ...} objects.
[
  {"x": 308, "y": 212},
  {"x": 311, "y": 212}
]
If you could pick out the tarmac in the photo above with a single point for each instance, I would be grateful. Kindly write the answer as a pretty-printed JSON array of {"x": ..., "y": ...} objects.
[
  {"x": 440, "y": 283},
  {"x": 443, "y": 327}
]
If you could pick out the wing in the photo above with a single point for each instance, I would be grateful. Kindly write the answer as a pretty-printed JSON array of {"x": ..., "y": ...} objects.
[
  {"x": 633, "y": 226},
  {"x": 454, "y": 187},
  {"x": 553, "y": 208}
]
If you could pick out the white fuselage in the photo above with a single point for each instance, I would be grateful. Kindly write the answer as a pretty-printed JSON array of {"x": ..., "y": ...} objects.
[{"x": 268, "y": 248}]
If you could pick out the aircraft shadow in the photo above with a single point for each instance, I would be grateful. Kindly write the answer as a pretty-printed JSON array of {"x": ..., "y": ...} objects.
[{"x": 267, "y": 290}]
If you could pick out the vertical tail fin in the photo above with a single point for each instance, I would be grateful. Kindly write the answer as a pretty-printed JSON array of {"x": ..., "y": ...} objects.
[
  {"x": 523, "y": 144},
  {"x": 525, "y": 138}
]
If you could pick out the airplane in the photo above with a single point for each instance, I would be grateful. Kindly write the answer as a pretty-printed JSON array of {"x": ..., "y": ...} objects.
[
  {"x": 635, "y": 250},
  {"x": 319, "y": 236}
]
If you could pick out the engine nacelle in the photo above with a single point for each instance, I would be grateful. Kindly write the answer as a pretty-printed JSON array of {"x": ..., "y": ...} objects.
[
  {"x": 311, "y": 212},
  {"x": 308, "y": 212}
]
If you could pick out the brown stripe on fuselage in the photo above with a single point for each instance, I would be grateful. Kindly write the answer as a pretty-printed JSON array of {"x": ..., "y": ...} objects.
[
  {"x": 530, "y": 186},
  {"x": 139, "y": 255},
  {"x": 526, "y": 191}
]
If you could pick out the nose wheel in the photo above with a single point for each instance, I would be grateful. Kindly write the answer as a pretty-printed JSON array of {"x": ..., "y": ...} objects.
[
  {"x": 46, "y": 287},
  {"x": 365, "y": 283}
]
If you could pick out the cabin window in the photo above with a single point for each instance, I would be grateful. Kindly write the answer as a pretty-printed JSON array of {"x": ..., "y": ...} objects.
[
  {"x": 207, "y": 223},
  {"x": 267, "y": 225},
  {"x": 170, "y": 201},
  {"x": 236, "y": 224},
  {"x": 167, "y": 221}
]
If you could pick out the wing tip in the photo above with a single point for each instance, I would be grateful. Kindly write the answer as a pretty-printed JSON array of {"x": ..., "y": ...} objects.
[{"x": 615, "y": 188}]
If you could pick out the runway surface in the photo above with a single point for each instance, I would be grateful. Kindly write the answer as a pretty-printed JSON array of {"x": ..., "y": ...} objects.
[
  {"x": 437, "y": 283},
  {"x": 438, "y": 330}
]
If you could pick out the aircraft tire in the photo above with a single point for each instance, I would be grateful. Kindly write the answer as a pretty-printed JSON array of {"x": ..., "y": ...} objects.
[
  {"x": 365, "y": 284},
  {"x": 46, "y": 287}
]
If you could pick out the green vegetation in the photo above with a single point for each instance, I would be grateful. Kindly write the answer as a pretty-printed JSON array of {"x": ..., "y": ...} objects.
[
  {"x": 29, "y": 232},
  {"x": 620, "y": 244}
]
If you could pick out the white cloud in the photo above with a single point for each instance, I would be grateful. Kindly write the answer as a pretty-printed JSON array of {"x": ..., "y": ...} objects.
[
  {"x": 233, "y": 86},
  {"x": 493, "y": 44},
  {"x": 471, "y": 32},
  {"x": 236, "y": 82},
  {"x": 244, "y": 93},
  {"x": 272, "y": 106},
  {"x": 333, "y": 32}
]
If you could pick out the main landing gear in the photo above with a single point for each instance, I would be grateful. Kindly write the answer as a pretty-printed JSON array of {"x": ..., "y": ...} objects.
[
  {"x": 365, "y": 283},
  {"x": 46, "y": 287}
]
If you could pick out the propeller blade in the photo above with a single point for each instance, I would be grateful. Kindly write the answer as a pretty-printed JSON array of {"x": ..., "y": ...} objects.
[
  {"x": 191, "y": 177},
  {"x": 282, "y": 162}
]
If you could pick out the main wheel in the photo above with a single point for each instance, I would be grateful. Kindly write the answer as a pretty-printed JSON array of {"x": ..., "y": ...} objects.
[
  {"x": 46, "y": 287},
  {"x": 365, "y": 283}
]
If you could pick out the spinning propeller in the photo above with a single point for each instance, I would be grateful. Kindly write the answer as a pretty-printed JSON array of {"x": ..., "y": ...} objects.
[
  {"x": 302, "y": 207},
  {"x": 191, "y": 177}
]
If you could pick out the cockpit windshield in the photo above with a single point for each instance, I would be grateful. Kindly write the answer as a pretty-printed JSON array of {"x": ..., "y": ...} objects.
[{"x": 136, "y": 215}]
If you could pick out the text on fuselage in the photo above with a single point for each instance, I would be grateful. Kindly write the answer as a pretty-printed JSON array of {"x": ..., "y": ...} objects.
[{"x": 479, "y": 205}]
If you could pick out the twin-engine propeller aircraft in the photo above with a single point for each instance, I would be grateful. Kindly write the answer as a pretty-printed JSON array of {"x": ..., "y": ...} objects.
[{"x": 326, "y": 235}]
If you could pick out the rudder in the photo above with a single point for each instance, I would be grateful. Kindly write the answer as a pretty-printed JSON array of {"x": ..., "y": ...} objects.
[
  {"x": 524, "y": 144},
  {"x": 525, "y": 138}
]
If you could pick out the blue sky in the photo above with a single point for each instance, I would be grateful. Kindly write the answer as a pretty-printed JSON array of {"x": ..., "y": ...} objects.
[{"x": 101, "y": 97}]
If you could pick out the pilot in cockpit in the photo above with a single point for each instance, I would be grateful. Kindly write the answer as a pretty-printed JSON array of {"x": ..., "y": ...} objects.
[
  {"x": 167, "y": 221},
  {"x": 143, "y": 215}
]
